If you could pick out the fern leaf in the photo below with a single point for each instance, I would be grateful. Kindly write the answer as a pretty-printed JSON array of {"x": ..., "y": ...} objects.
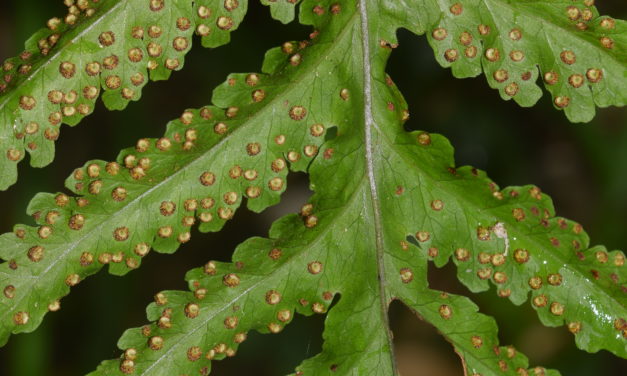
[
  {"x": 273, "y": 279},
  {"x": 385, "y": 203},
  {"x": 473, "y": 335},
  {"x": 208, "y": 161},
  {"x": 109, "y": 47},
  {"x": 580, "y": 55}
]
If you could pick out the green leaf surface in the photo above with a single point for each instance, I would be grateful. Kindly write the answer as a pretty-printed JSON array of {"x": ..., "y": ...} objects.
[
  {"x": 580, "y": 55},
  {"x": 108, "y": 47},
  {"x": 282, "y": 10},
  {"x": 298, "y": 276},
  {"x": 386, "y": 203},
  {"x": 199, "y": 172}
]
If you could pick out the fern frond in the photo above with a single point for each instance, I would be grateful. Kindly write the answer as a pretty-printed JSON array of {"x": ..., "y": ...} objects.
[
  {"x": 580, "y": 55},
  {"x": 109, "y": 47},
  {"x": 200, "y": 171},
  {"x": 301, "y": 271},
  {"x": 385, "y": 203},
  {"x": 473, "y": 335}
]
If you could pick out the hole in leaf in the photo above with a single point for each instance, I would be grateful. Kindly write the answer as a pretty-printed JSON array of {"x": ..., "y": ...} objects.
[
  {"x": 445, "y": 279},
  {"x": 331, "y": 134},
  {"x": 413, "y": 240},
  {"x": 419, "y": 349},
  {"x": 294, "y": 197}
]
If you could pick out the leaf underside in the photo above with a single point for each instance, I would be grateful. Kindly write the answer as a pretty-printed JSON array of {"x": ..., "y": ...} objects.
[
  {"x": 386, "y": 202},
  {"x": 109, "y": 48}
]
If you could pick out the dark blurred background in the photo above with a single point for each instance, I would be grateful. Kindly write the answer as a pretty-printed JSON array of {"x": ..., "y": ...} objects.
[{"x": 582, "y": 166}]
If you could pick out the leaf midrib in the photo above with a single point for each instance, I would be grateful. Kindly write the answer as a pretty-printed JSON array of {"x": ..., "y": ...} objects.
[{"x": 369, "y": 125}]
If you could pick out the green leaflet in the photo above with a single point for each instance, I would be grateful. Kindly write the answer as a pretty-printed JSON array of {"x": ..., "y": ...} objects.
[
  {"x": 386, "y": 202},
  {"x": 302, "y": 275},
  {"x": 580, "y": 55},
  {"x": 282, "y": 10},
  {"x": 199, "y": 172},
  {"x": 109, "y": 45}
]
